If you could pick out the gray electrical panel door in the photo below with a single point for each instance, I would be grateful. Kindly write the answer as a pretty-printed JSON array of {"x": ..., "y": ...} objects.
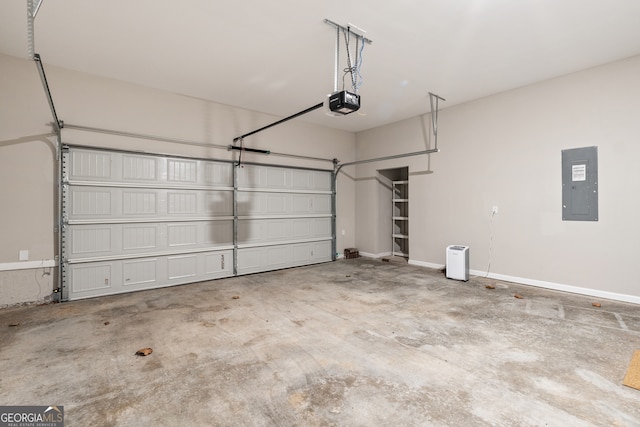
[{"x": 580, "y": 184}]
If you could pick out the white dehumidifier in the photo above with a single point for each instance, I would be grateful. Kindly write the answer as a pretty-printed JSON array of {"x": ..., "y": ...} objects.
[{"x": 458, "y": 262}]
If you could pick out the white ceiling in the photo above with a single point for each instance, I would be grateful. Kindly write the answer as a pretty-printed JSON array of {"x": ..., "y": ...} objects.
[{"x": 277, "y": 56}]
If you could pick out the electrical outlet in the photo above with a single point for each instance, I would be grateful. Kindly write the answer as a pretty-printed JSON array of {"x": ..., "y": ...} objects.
[
  {"x": 494, "y": 210},
  {"x": 23, "y": 255}
]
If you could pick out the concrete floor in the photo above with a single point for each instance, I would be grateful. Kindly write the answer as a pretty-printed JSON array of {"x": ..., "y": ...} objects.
[{"x": 355, "y": 342}]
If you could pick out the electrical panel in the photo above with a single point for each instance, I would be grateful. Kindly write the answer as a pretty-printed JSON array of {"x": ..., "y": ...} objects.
[{"x": 580, "y": 184}]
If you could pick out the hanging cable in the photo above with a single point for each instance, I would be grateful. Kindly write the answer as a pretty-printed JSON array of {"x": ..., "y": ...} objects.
[
  {"x": 353, "y": 68},
  {"x": 241, "y": 150},
  {"x": 350, "y": 68},
  {"x": 359, "y": 65},
  {"x": 356, "y": 66},
  {"x": 433, "y": 100},
  {"x": 493, "y": 213}
]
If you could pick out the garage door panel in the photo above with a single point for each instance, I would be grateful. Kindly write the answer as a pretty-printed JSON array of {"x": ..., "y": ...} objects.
[
  {"x": 250, "y": 260},
  {"x": 322, "y": 251},
  {"x": 218, "y": 203},
  {"x": 140, "y": 272},
  {"x": 302, "y": 180},
  {"x": 275, "y": 178},
  {"x": 182, "y": 235},
  {"x": 92, "y": 165},
  {"x": 116, "y": 168},
  {"x": 139, "y": 237},
  {"x": 92, "y": 279},
  {"x": 322, "y": 227},
  {"x": 88, "y": 202},
  {"x": 321, "y": 181},
  {"x": 252, "y": 176},
  {"x": 301, "y": 204},
  {"x": 217, "y": 233},
  {"x": 259, "y": 259},
  {"x": 219, "y": 263},
  {"x": 140, "y": 168},
  {"x": 183, "y": 171},
  {"x": 308, "y": 253},
  {"x": 92, "y": 240},
  {"x": 86, "y": 241},
  {"x": 277, "y": 257},
  {"x": 104, "y": 204},
  {"x": 265, "y": 203},
  {"x": 217, "y": 174},
  {"x": 301, "y": 253},
  {"x": 199, "y": 203},
  {"x": 139, "y": 202},
  {"x": 272, "y": 257},
  {"x": 322, "y": 204},
  {"x": 269, "y": 177},
  {"x": 183, "y": 266},
  {"x": 137, "y": 221},
  {"x": 261, "y": 231},
  {"x": 275, "y": 204},
  {"x": 302, "y": 228}
]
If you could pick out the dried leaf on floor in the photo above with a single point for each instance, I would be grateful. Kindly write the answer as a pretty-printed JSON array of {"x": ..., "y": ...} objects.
[
  {"x": 596, "y": 304},
  {"x": 144, "y": 351},
  {"x": 13, "y": 325},
  {"x": 107, "y": 323},
  {"x": 235, "y": 297},
  {"x": 518, "y": 296},
  {"x": 490, "y": 287}
]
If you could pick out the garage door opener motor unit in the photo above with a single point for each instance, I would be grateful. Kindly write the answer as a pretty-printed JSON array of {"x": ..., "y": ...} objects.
[
  {"x": 457, "y": 262},
  {"x": 344, "y": 102}
]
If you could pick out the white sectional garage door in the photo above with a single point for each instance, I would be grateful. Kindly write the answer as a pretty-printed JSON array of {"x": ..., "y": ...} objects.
[
  {"x": 284, "y": 218},
  {"x": 137, "y": 221}
]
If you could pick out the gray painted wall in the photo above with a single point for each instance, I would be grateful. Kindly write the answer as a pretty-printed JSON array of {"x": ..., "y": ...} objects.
[
  {"x": 505, "y": 150},
  {"x": 27, "y": 156}
]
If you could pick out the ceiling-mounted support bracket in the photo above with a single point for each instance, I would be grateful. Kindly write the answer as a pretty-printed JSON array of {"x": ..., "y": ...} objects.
[
  {"x": 349, "y": 30},
  {"x": 433, "y": 102},
  {"x": 32, "y": 10},
  {"x": 58, "y": 124}
]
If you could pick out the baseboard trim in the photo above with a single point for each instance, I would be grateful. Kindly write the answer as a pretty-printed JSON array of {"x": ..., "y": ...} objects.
[
  {"x": 560, "y": 287},
  {"x": 27, "y": 265},
  {"x": 370, "y": 255},
  {"x": 541, "y": 284},
  {"x": 426, "y": 264}
]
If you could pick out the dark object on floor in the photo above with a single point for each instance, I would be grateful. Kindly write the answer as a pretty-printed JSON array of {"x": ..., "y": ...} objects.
[
  {"x": 351, "y": 253},
  {"x": 144, "y": 351}
]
